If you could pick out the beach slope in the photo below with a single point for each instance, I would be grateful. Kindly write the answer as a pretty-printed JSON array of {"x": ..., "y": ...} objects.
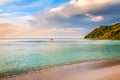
[{"x": 108, "y": 70}]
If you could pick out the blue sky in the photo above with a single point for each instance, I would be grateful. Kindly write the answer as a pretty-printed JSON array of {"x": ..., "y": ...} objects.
[
  {"x": 29, "y": 6},
  {"x": 55, "y": 18}
]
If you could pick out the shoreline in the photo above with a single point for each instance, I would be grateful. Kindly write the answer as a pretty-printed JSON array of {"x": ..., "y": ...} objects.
[
  {"x": 60, "y": 71},
  {"x": 52, "y": 67}
]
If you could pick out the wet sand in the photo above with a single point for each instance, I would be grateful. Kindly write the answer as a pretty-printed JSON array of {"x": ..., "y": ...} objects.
[{"x": 109, "y": 70}]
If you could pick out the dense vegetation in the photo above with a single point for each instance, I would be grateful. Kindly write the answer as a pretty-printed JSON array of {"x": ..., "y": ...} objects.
[{"x": 106, "y": 32}]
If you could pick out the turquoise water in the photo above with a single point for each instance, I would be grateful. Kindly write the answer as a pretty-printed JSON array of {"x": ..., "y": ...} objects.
[{"x": 19, "y": 55}]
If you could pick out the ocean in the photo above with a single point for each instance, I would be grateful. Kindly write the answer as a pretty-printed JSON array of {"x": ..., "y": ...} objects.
[{"x": 24, "y": 55}]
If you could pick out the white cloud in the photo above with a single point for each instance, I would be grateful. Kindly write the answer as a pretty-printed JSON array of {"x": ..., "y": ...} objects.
[
  {"x": 16, "y": 19},
  {"x": 58, "y": 33},
  {"x": 97, "y": 18},
  {"x": 19, "y": 21},
  {"x": 75, "y": 7},
  {"x": 45, "y": 22},
  {"x": 6, "y": 1},
  {"x": 48, "y": 18},
  {"x": 2, "y": 14},
  {"x": 28, "y": 17},
  {"x": 11, "y": 31},
  {"x": 56, "y": 30},
  {"x": 94, "y": 18}
]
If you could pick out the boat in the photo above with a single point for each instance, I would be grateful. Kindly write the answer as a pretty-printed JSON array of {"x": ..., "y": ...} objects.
[{"x": 51, "y": 39}]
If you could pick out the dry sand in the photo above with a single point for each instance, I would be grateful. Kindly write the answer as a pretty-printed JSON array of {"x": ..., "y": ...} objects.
[
  {"x": 92, "y": 71},
  {"x": 110, "y": 73}
]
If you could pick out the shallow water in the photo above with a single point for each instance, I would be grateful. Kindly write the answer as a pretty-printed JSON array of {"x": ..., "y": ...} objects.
[{"x": 19, "y": 55}]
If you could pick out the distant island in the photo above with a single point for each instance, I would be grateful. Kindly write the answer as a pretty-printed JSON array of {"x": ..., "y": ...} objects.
[{"x": 105, "y": 32}]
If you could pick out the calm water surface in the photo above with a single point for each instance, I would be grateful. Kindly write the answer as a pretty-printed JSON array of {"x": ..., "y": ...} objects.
[{"x": 19, "y": 55}]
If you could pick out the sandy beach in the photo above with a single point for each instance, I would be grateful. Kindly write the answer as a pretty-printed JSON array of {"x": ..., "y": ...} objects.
[
  {"x": 110, "y": 73},
  {"x": 109, "y": 70}
]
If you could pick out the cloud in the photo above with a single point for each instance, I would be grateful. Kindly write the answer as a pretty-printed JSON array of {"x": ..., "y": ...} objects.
[
  {"x": 68, "y": 18},
  {"x": 2, "y": 2},
  {"x": 95, "y": 18},
  {"x": 7, "y": 14},
  {"x": 65, "y": 14},
  {"x": 57, "y": 33},
  {"x": 10, "y": 31},
  {"x": 75, "y": 7},
  {"x": 54, "y": 30},
  {"x": 22, "y": 21},
  {"x": 73, "y": 18}
]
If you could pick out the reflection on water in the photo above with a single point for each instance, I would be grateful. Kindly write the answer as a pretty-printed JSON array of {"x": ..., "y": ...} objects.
[{"x": 18, "y": 55}]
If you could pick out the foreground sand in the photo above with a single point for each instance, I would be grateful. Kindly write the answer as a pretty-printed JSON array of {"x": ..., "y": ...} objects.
[
  {"x": 111, "y": 73},
  {"x": 92, "y": 71}
]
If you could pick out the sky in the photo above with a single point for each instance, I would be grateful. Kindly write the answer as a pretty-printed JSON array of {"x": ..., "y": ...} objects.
[{"x": 55, "y": 18}]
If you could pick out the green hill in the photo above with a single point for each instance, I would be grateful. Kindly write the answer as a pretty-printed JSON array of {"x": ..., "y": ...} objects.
[{"x": 106, "y": 32}]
